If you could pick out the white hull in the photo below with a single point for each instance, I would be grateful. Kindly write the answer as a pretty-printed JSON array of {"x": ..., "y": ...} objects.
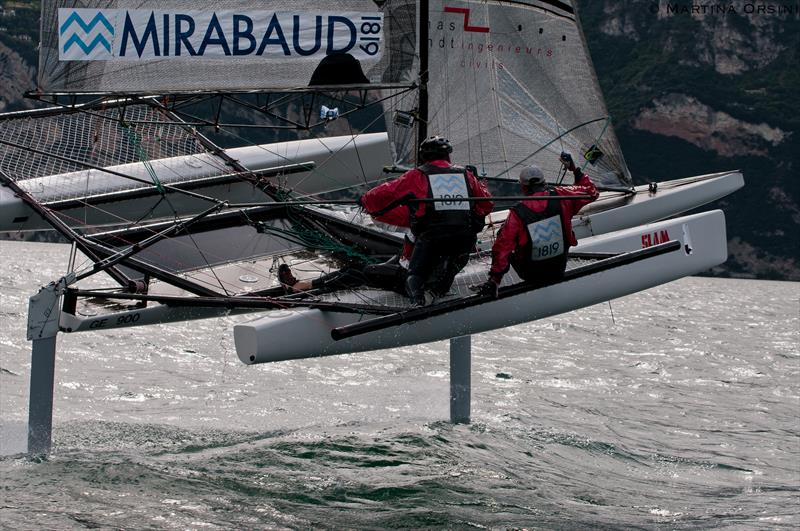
[
  {"x": 615, "y": 211},
  {"x": 284, "y": 335},
  {"x": 670, "y": 199},
  {"x": 339, "y": 162}
]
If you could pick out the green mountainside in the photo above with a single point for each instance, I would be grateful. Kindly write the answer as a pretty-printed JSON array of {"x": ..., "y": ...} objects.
[
  {"x": 692, "y": 89},
  {"x": 705, "y": 91}
]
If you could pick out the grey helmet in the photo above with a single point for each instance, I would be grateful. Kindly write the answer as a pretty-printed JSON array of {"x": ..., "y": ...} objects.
[{"x": 532, "y": 177}]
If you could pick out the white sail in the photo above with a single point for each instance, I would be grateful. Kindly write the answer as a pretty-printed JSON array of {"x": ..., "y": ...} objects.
[{"x": 511, "y": 84}]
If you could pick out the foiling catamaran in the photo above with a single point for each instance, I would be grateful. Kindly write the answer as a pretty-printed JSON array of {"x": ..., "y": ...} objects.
[{"x": 147, "y": 161}]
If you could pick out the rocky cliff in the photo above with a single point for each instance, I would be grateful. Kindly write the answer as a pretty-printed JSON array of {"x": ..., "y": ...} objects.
[
  {"x": 16, "y": 76},
  {"x": 19, "y": 37},
  {"x": 699, "y": 87}
]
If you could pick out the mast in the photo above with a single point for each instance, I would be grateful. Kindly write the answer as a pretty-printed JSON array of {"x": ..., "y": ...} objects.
[{"x": 422, "y": 113}]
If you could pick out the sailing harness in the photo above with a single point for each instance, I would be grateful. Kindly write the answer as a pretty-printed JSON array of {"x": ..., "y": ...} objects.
[
  {"x": 448, "y": 185},
  {"x": 546, "y": 239}
]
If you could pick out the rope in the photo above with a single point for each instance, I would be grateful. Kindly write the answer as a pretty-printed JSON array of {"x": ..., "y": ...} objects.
[
  {"x": 317, "y": 239},
  {"x": 608, "y": 121},
  {"x": 548, "y": 144},
  {"x": 135, "y": 140}
]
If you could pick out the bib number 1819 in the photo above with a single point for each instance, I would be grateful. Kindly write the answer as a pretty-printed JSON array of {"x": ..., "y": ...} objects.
[{"x": 544, "y": 251}]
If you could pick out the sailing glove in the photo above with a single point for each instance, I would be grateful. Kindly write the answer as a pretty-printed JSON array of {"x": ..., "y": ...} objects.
[
  {"x": 566, "y": 160},
  {"x": 489, "y": 288}
]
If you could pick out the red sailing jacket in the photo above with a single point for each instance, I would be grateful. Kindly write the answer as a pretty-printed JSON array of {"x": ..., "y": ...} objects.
[
  {"x": 514, "y": 234},
  {"x": 415, "y": 182}
]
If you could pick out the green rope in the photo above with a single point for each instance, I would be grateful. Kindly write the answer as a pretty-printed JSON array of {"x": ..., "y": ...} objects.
[
  {"x": 608, "y": 121},
  {"x": 135, "y": 140},
  {"x": 307, "y": 236},
  {"x": 317, "y": 239}
]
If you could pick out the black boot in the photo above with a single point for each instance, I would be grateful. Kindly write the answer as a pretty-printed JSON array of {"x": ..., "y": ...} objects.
[
  {"x": 286, "y": 278},
  {"x": 415, "y": 288}
]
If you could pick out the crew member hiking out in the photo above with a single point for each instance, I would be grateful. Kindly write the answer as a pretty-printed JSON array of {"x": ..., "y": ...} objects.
[
  {"x": 445, "y": 229},
  {"x": 537, "y": 235}
]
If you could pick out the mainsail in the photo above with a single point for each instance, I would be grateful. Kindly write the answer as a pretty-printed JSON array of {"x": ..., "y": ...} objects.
[{"x": 511, "y": 84}]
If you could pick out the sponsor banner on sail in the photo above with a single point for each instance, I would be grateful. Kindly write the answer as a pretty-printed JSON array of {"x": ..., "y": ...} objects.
[
  {"x": 174, "y": 46},
  {"x": 142, "y": 35}
]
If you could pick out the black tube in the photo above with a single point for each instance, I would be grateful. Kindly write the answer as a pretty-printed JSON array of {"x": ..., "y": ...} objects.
[
  {"x": 241, "y": 302},
  {"x": 62, "y": 228}
]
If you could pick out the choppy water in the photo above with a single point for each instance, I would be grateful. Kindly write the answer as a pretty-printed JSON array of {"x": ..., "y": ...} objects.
[{"x": 683, "y": 414}]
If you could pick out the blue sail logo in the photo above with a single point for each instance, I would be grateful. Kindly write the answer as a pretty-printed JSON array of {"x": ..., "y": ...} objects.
[
  {"x": 150, "y": 34},
  {"x": 547, "y": 238},
  {"x": 450, "y": 183},
  {"x": 548, "y": 230},
  {"x": 85, "y": 40}
]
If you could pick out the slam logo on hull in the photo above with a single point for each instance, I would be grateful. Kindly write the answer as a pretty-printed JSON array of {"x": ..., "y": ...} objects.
[{"x": 120, "y": 34}]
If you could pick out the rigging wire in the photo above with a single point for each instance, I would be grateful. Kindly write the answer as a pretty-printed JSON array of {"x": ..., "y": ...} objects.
[
  {"x": 358, "y": 155},
  {"x": 196, "y": 243},
  {"x": 144, "y": 159},
  {"x": 134, "y": 139},
  {"x": 310, "y": 236},
  {"x": 562, "y": 171},
  {"x": 196, "y": 246},
  {"x": 605, "y": 126},
  {"x": 164, "y": 259},
  {"x": 191, "y": 237},
  {"x": 548, "y": 144},
  {"x": 103, "y": 116}
]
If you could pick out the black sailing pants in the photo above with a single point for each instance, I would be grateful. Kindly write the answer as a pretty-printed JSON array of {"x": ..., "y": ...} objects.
[
  {"x": 383, "y": 276},
  {"x": 542, "y": 272},
  {"x": 438, "y": 257}
]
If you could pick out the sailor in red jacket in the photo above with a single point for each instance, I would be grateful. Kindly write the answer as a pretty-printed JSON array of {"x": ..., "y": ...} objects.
[
  {"x": 445, "y": 230},
  {"x": 537, "y": 235}
]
